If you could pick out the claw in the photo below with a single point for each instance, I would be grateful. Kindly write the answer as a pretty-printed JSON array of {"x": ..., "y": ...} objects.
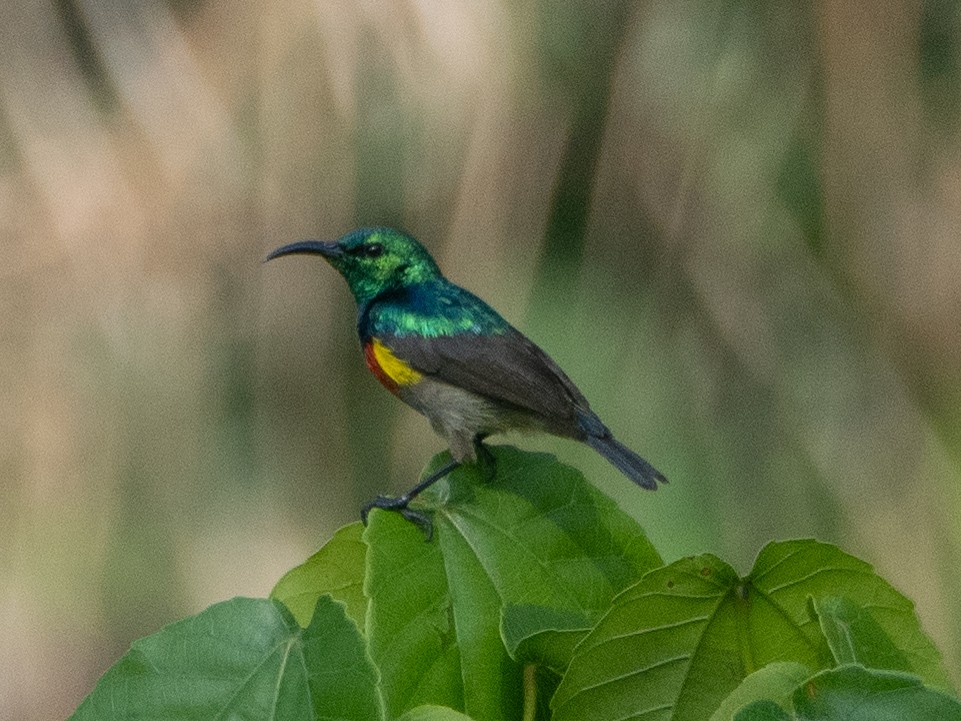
[
  {"x": 421, "y": 520},
  {"x": 386, "y": 503}
]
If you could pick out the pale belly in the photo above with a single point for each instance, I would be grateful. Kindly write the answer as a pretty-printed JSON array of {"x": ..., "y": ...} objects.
[{"x": 460, "y": 416}]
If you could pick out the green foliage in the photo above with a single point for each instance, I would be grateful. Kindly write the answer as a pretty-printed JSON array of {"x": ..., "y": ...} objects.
[
  {"x": 243, "y": 658},
  {"x": 536, "y": 535},
  {"x": 855, "y": 693},
  {"x": 543, "y": 635},
  {"x": 771, "y": 684},
  {"x": 855, "y": 637},
  {"x": 336, "y": 570},
  {"x": 539, "y": 599}
]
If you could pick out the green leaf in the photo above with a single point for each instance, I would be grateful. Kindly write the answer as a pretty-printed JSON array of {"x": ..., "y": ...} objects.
[
  {"x": 679, "y": 641},
  {"x": 672, "y": 631},
  {"x": 855, "y": 637},
  {"x": 762, "y": 711},
  {"x": 433, "y": 713},
  {"x": 774, "y": 683},
  {"x": 543, "y": 534},
  {"x": 336, "y": 569},
  {"x": 536, "y": 534},
  {"x": 854, "y": 693},
  {"x": 244, "y": 658},
  {"x": 492, "y": 681},
  {"x": 410, "y": 628},
  {"x": 341, "y": 677},
  {"x": 787, "y": 573},
  {"x": 546, "y": 636}
]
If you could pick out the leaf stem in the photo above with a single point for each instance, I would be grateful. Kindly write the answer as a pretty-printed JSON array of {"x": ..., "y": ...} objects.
[{"x": 530, "y": 692}]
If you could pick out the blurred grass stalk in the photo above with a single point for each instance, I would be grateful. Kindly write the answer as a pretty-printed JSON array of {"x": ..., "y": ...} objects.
[{"x": 735, "y": 224}]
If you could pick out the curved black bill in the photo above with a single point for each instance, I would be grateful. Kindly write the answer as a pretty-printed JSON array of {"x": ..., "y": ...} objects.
[{"x": 308, "y": 247}]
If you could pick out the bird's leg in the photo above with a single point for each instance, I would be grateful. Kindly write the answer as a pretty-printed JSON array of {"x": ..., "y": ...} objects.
[
  {"x": 399, "y": 504},
  {"x": 485, "y": 458}
]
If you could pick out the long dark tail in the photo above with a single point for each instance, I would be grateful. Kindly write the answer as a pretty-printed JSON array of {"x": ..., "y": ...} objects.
[{"x": 626, "y": 461}]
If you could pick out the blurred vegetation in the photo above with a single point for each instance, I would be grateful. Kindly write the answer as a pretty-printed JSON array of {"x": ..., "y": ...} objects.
[{"x": 734, "y": 223}]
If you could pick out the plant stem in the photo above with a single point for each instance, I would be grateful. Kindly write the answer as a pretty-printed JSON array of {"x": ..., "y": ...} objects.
[{"x": 530, "y": 692}]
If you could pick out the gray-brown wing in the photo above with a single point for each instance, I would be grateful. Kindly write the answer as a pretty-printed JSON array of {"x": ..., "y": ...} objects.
[{"x": 507, "y": 367}]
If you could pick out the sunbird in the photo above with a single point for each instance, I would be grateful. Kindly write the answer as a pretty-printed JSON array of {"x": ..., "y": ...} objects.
[{"x": 454, "y": 359}]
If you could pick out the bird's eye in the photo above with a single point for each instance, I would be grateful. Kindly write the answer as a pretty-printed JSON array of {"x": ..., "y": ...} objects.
[{"x": 368, "y": 250}]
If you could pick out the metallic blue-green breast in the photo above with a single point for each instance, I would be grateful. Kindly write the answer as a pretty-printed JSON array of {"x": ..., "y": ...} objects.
[{"x": 430, "y": 310}]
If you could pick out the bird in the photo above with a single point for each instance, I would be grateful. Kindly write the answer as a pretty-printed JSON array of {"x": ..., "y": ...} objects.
[{"x": 450, "y": 356}]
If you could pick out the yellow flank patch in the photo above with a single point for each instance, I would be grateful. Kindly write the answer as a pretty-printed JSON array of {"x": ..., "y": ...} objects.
[{"x": 393, "y": 367}]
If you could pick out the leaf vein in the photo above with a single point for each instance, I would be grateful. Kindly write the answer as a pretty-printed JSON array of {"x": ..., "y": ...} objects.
[
  {"x": 518, "y": 545},
  {"x": 629, "y": 674},
  {"x": 824, "y": 569},
  {"x": 643, "y": 631},
  {"x": 243, "y": 684}
]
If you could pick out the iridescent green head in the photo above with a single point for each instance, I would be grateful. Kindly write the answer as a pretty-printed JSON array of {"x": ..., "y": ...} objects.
[{"x": 372, "y": 260}]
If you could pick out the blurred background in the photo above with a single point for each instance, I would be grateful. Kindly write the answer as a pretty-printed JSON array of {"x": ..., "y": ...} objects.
[{"x": 735, "y": 224}]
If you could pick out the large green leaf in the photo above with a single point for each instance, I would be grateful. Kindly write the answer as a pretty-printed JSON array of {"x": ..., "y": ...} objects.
[
  {"x": 244, "y": 659},
  {"x": 786, "y": 574},
  {"x": 492, "y": 683},
  {"x": 536, "y": 534},
  {"x": 543, "y": 534},
  {"x": 336, "y": 569},
  {"x": 679, "y": 641},
  {"x": 854, "y": 693},
  {"x": 410, "y": 629},
  {"x": 674, "y": 630}
]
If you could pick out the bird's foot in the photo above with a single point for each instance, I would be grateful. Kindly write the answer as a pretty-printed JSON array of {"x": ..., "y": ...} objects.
[
  {"x": 418, "y": 518},
  {"x": 400, "y": 505}
]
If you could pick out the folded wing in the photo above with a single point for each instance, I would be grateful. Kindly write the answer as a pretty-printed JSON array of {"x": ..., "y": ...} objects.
[{"x": 506, "y": 367}]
